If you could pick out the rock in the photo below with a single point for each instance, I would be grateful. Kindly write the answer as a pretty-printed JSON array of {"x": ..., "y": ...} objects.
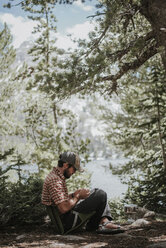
[
  {"x": 149, "y": 215},
  {"x": 144, "y": 213},
  {"x": 124, "y": 235},
  {"x": 130, "y": 221},
  {"x": 158, "y": 245},
  {"x": 60, "y": 245},
  {"x": 72, "y": 237},
  {"x": 21, "y": 237},
  {"x": 95, "y": 245},
  {"x": 141, "y": 212},
  {"x": 140, "y": 223}
]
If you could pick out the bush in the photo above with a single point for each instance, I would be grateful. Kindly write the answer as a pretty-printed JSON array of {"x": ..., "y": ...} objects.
[
  {"x": 149, "y": 190},
  {"x": 20, "y": 203}
]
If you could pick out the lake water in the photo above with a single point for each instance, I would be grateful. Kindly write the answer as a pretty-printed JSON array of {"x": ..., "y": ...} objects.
[{"x": 102, "y": 178}]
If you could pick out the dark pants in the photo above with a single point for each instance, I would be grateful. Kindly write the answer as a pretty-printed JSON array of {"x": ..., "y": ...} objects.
[{"x": 97, "y": 201}]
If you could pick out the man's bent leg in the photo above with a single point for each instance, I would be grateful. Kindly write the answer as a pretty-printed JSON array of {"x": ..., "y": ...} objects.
[{"x": 97, "y": 201}]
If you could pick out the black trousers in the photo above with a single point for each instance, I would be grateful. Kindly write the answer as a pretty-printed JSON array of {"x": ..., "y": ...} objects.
[{"x": 97, "y": 201}]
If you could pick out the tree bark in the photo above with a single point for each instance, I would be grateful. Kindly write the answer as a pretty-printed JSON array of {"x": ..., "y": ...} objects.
[
  {"x": 155, "y": 12},
  {"x": 55, "y": 113},
  {"x": 159, "y": 130}
]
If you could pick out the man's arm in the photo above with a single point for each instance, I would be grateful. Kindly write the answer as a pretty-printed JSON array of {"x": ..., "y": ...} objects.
[{"x": 65, "y": 206}]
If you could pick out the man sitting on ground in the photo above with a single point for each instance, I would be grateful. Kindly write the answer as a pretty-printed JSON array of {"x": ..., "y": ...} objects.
[{"x": 82, "y": 201}]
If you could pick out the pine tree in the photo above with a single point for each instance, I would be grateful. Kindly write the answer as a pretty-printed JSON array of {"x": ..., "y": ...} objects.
[
  {"x": 50, "y": 128},
  {"x": 7, "y": 57},
  {"x": 138, "y": 129},
  {"x": 8, "y": 110}
]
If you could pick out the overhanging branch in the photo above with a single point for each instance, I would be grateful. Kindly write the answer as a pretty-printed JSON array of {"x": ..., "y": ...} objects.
[{"x": 150, "y": 52}]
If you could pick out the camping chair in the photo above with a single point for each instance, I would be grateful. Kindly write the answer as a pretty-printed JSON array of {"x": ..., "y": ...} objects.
[{"x": 57, "y": 223}]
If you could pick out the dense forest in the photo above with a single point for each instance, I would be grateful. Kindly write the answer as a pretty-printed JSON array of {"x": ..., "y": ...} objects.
[{"x": 123, "y": 63}]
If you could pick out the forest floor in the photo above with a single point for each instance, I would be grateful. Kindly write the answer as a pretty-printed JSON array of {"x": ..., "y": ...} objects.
[{"x": 150, "y": 236}]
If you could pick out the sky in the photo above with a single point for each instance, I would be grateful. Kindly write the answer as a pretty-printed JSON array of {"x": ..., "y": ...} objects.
[{"x": 71, "y": 19}]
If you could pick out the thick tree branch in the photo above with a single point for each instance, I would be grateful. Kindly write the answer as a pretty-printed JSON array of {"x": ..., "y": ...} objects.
[{"x": 150, "y": 52}]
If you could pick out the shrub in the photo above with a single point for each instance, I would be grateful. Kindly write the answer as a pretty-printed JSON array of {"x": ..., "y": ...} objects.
[
  {"x": 20, "y": 203},
  {"x": 149, "y": 190}
]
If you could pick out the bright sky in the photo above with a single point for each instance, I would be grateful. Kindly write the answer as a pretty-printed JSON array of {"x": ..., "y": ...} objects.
[{"x": 71, "y": 19}]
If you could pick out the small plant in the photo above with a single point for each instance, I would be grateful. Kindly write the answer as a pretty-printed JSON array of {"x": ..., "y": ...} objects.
[{"x": 117, "y": 210}]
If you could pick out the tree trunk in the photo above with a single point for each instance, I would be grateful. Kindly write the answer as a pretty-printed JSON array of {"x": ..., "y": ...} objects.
[
  {"x": 55, "y": 113},
  {"x": 47, "y": 36},
  {"x": 155, "y": 13},
  {"x": 159, "y": 130}
]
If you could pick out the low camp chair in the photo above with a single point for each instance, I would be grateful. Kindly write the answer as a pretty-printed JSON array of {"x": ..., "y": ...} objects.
[{"x": 57, "y": 223}]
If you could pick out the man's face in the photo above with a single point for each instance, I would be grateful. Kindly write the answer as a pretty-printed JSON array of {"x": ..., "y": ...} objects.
[{"x": 68, "y": 172}]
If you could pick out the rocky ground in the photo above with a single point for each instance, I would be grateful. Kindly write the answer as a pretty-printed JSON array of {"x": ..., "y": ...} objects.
[{"x": 145, "y": 235}]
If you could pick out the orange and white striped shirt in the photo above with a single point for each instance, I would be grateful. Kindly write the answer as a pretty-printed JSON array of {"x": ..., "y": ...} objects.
[{"x": 54, "y": 188}]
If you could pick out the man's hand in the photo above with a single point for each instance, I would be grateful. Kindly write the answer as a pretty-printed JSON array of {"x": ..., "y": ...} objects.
[
  {"x": 68, "y": 205},
  {"x": 82, "y": 193}
]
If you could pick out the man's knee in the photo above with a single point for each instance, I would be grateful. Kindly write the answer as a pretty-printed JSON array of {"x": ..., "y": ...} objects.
[{"x": 101, "y": 195}]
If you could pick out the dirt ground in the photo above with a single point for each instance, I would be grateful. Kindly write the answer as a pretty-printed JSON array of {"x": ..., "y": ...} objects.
[{"x": 151, "y": 236}]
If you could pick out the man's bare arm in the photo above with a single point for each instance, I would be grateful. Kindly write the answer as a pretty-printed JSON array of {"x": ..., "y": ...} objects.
[{"x": 68, "y": 205}]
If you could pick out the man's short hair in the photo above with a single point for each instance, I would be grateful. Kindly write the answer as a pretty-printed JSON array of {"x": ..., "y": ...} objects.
[{"x": 71, "y": 158}]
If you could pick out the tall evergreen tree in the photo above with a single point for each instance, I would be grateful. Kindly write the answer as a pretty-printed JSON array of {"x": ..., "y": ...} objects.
[
  {"x": 138, "y": 129},
  {"x": 9, "y": 117},
  {"x": 7, "y": 57},
  {"x": 49, "y": 126}
]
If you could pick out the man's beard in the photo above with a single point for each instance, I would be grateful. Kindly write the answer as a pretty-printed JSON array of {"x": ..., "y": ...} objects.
[{"x": 66, "y": 175}]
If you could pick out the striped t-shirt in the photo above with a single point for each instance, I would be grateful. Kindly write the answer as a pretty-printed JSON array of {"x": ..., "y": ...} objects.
[{"x": 54, "y": 188}]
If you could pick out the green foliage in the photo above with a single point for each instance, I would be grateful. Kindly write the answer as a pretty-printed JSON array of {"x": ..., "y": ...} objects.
[
  {"x": 139, "y": 131},
  {"x": 121, "y": 41},
  {"x": 25, "y": 3},
  {"x": 149, "y": 190},
  {"x": 117, "y": 210},
  {"x": 7, "y": 53},
  {"x": 79, "y": 181},
  {"x": 7, "y": 92},
  {"x": 7, "y": 57},
  {"x": 20, "y": 203},
  {"x": 48, "y": 127}
]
